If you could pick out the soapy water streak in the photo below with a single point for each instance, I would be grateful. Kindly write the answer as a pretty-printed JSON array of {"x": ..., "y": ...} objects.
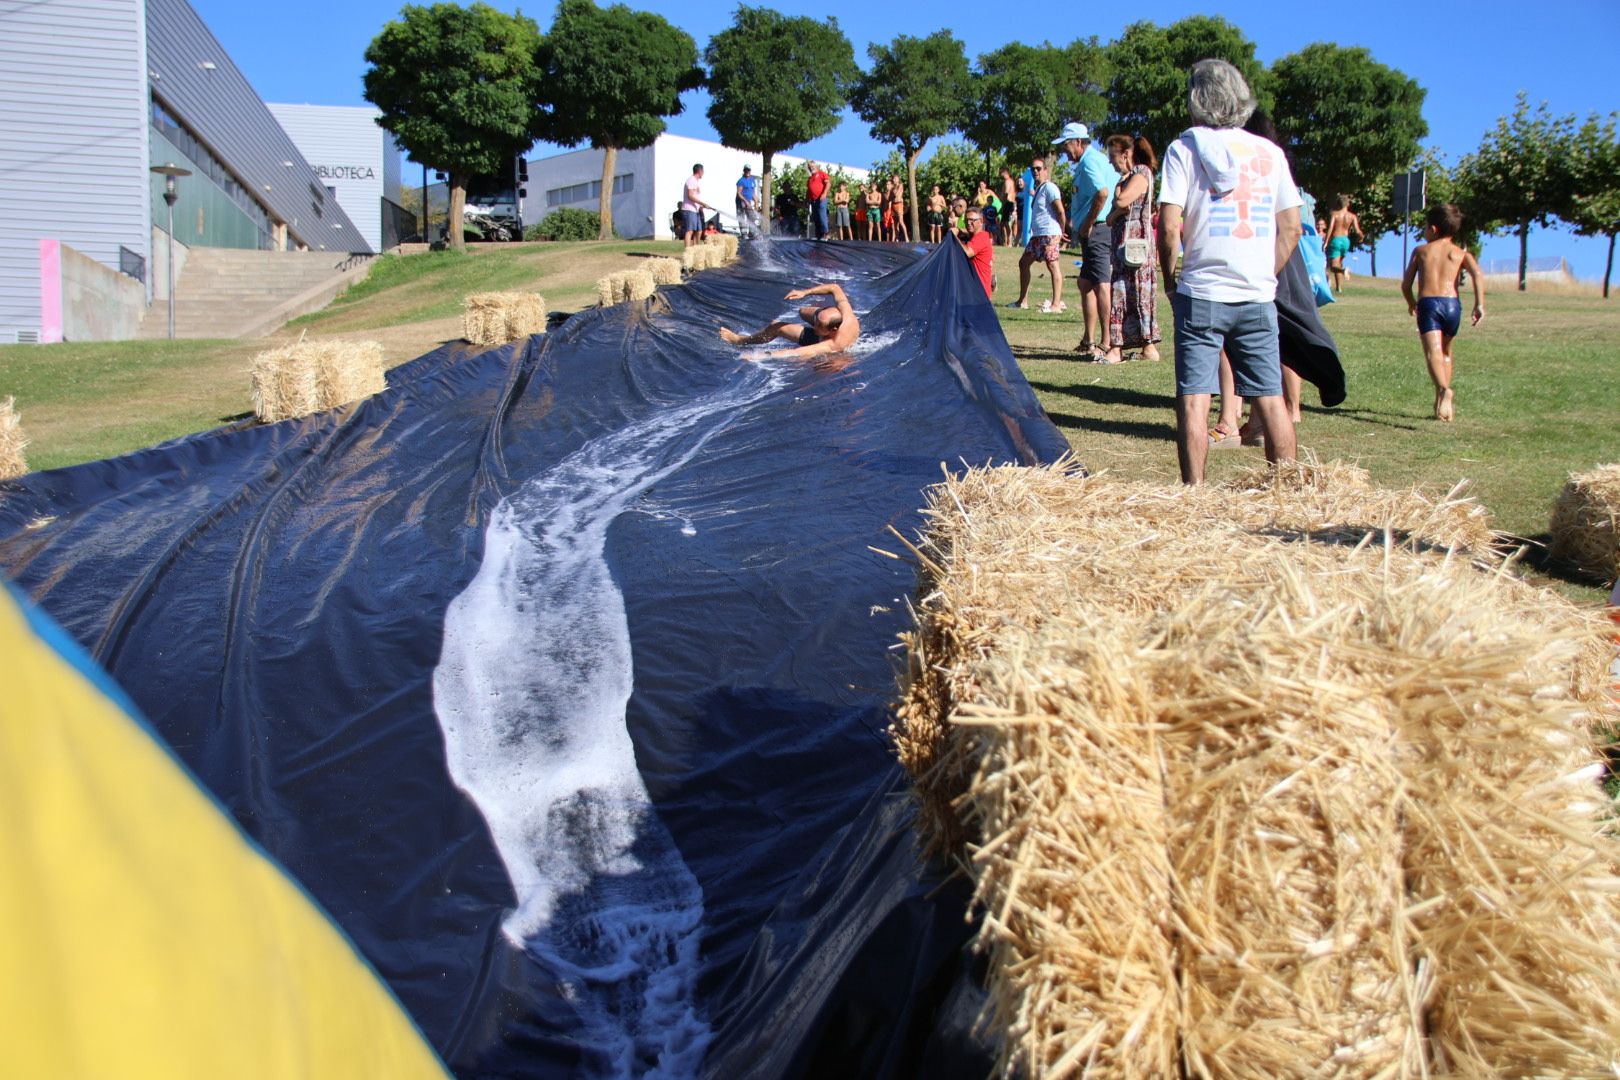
[{"x": 530, "y": 691}]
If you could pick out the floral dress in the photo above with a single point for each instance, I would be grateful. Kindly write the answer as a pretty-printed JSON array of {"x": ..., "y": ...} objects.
[{"x": 1134, "y": 323}]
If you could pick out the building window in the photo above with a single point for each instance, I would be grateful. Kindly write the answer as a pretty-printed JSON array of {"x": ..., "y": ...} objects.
[
  {"x": 207, "y": 164},
  {"x": 591, "y": 192}
]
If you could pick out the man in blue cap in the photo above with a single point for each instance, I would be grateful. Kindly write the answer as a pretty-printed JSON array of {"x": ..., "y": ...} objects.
[{"x": 1094, "y": 181}]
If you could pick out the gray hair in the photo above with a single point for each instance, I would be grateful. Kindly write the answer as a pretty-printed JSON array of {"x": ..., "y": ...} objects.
[{"x": 1218, "y": 96}]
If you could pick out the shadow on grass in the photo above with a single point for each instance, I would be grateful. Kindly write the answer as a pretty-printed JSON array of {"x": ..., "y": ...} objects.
[
  {"x": 236, "y": 418},
  {"x": 1132, "y": 429},
  {"x": 1111, "y": 395},
  {"x": 1538, "y": 558}
]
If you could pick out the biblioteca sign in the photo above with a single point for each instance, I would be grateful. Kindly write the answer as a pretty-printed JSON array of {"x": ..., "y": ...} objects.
[{"x": 345, "y": 172}]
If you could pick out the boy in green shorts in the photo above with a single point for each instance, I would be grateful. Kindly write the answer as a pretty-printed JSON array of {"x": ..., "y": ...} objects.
[{"x": 1340, "y": 226}]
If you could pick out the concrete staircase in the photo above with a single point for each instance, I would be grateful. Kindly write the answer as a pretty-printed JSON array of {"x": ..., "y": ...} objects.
[{"x": 235, "y": 293}]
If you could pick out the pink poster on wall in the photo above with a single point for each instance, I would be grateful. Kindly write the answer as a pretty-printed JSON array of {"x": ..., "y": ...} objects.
[{"x": 50, "y": 291}]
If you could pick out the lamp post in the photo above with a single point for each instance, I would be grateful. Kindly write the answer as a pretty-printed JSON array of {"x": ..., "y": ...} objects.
[{"x": 169, "y": 171}]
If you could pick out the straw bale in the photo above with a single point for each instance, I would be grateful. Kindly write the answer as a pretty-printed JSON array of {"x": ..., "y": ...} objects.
[
  {"x": 494, "y": 318},
  {"x": 665, "y": 271},
  {"x": 726, "y": 242},
  {"x": 349, "y": 371},
  {"x": 313, "y": 376},
  {"x": 639, "y": 284},
  {"x": 1585, "y": 528},
  {"x": 1282, "y": 777},
  {"x": 12, "y": 462},
  {"x": 701, "y": 257}
]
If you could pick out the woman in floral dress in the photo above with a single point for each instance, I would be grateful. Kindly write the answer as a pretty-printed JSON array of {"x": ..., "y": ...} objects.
[{"x": 1133, "y": 323}]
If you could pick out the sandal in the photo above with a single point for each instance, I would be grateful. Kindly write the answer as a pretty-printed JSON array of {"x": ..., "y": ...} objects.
[
  {"x": 1222, "y": 437},
  {"x": 1048, "y": 309},
  {"x": 1110, "y": 356}
]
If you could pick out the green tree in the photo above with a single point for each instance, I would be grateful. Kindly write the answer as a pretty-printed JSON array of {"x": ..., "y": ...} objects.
[
  {"x": 1023, "y": 94},
  {"x": 1595, "y": 200},
  {"x": 1374, "y": 203},
  {"x": 777, "y": 81},
  {"x": 1148, "y": 92},
  {"x": 914, "y": 93},
  {"x": 456, "y": 87},
  {"x": 610, "y": 76},
  {"x": 1520, "y": 176},
  {"x": 1345, "y": 119}
]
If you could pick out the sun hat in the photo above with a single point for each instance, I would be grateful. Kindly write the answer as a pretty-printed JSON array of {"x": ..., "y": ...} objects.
[{"x": 1072, "y": 130}]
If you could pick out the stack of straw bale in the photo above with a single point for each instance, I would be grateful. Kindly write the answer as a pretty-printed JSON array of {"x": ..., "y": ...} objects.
[
  {"x": 494, "y": 318},
  {"x": 1280, "y": 778},
  {"x": 664, "y": 271},
  {"x": 313, "y": 376},
  {"x": 1585, "y": 526},
  {"x": 625, "y": 286},
  {"x": 726, "y": 242},
  {"x": 12, "y": 442}
]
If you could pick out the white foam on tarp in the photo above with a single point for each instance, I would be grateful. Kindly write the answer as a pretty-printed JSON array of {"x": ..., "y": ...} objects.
[{"x": 530, "y": 691}]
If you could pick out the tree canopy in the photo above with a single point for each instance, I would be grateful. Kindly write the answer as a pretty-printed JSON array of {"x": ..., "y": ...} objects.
[
  {"x": 609, "y": 77},
  {"x": 777, "y": 81},
  {"x": 1520, "y": 175},
  {"x": 1594, "y": 157},
  {"x": 456, "y": 88},
  {"x": 1148, "y": 89},
  {"x": 914, "y": 93},
  {"x": 1022, "y": 95},
  {"x": 1345, "y": 119}
]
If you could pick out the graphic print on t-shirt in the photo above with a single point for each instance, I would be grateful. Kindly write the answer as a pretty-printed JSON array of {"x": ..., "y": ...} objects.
[{"x": 1247, "y": 211}]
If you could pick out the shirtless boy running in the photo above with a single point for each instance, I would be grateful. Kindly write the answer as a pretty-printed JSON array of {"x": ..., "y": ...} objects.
[
  {"x": 825, "y": 329},
  {"x": 1436, "y": 266},
  {"x": 1340, "y": 225}
]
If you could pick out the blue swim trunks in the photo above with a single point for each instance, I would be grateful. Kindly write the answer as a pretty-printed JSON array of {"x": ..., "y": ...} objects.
[{"x": 1442, "y": 313}]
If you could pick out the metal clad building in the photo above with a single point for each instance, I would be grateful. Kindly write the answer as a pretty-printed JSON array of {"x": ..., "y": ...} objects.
[
  {"x": 93, "y": 93},
  {"x": 73, "y": 142},
  {"x": 354, "y": 158},
  {"x": 192, "y": 76}
]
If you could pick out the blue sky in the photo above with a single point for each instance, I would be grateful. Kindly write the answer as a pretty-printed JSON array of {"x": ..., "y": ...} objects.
[{"x": 1472, "y": 59}]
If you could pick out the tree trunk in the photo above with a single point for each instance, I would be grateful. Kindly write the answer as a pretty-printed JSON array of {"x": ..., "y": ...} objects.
[
  {"x": 1608, "y": 267},
  {"x": 765, "y": 203},
  {"x": 453, "y": 224},
  {"x": 610, "y": 157},
  {"x": 1524, "y": 252},
  {"x": 1372, "y": 251},
  {"x": 911, "y": 185}
]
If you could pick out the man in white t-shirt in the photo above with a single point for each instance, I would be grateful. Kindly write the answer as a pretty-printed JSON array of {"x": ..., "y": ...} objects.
[
  {"x": 1229, "y": 196},
  {"x": 692, "y": 207}
]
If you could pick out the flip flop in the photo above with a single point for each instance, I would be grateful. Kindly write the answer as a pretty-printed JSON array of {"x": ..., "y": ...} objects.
[
  {"x": 1222, "y": 439},
  {"x": 1048, "y": 309}
]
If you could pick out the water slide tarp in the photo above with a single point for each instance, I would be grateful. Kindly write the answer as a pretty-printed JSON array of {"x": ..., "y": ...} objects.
[{"x": 558, "y": 674}]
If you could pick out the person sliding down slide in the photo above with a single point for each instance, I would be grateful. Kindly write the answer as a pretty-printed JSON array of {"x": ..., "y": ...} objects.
[{"x": 826, "y": 329}]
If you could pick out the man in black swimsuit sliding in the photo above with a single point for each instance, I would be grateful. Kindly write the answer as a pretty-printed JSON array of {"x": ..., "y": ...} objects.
[{"x": 826, "y": 328}]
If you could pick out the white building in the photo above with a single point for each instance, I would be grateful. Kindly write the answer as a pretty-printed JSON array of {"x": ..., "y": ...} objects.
[
  {"x": 647, "y": 183},
  {"x": 356, "y": 160}
]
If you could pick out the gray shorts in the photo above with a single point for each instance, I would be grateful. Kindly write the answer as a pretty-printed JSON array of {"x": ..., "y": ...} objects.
[
  {"x": 1248, "y": 333},
  {"x": 1097, "y": 249},
  {"x": 841, "y": 216}
]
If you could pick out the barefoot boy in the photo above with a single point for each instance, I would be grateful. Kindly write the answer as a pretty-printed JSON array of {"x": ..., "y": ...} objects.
[
  {"x": 1343, "y": 222},
  {"x": 1436, "y": 266}
]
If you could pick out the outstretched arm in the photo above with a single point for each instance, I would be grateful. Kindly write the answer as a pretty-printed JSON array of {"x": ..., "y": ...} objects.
[
  {"x": 1471, "y": 264},
  {"x": 829, "y": 289}
]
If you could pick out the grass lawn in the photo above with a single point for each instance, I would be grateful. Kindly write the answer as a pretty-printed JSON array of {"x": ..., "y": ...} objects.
[{"x": 1537, "y": 384}]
